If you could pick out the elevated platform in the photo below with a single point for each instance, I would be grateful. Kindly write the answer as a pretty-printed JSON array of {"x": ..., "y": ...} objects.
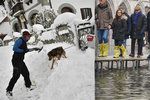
[
  {"x": 128, "y": 58},
  {"x": 120, "y": 62}
]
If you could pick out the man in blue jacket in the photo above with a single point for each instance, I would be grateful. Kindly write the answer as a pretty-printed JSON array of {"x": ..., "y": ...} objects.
[{"x": 19, "y": 66}]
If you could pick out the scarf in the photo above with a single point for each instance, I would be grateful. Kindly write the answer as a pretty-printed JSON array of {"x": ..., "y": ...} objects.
[{"x": 136, "y": 17}]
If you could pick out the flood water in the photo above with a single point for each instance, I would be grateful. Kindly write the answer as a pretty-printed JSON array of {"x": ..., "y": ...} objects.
[{"x": 126, "y": 84}]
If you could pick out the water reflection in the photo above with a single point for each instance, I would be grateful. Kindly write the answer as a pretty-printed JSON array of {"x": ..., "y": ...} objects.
[{"x": 123, "y": 85}]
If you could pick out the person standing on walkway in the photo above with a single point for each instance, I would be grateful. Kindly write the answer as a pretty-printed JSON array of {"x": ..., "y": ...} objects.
[
  {"x": 119, "y": 27},
  {"x": 19, "y": 66},
  {"x": 128, "y": 21},
  {"x": 138, "y": 28},
  {"x": 103, "y": 17}
]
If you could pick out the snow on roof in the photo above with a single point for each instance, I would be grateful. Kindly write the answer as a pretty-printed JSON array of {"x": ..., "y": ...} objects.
[
  {"x": 7, "y": 37},
  {"x": 48, "y": 35},
  {"x": 63, "y": 32},
  {"x": 66, "y": 18}
]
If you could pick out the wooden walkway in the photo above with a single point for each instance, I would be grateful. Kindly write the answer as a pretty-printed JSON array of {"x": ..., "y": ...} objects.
[{"x": 120, "y": 62}]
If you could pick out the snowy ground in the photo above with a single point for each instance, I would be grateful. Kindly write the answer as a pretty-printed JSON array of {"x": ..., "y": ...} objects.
[{"x": 71, "y": 78}]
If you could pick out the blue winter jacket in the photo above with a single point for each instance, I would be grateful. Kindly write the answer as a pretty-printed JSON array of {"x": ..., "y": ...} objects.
[{"x": 20, "y": 46}]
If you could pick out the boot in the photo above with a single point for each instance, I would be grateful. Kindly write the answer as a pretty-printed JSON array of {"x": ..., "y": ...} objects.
[
  {"x": 105, "y": 48},
  {"x": 101, "y": 46},
  {"x": 9, "y": 93},
  {"x": 116, "y": 52},
  {"x": 123, "y": 49}
]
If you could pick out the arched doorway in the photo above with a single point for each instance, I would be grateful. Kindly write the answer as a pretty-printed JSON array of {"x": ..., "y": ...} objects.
[
  {"x": 126, "y": 6},
  {"x": 123, "y": 6},
  {"x": 66, "y": 9},
  {"x": 32, "y": 19}
]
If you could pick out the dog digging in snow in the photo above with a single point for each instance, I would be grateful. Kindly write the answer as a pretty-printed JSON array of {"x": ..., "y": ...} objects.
[{"x": 55, "y": 54}]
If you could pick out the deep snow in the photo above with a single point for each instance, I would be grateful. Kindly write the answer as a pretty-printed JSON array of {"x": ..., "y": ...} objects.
[{"x": 71, "y": 79}]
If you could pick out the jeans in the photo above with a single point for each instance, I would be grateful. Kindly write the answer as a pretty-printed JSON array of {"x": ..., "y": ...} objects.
[{"x": 102, "y": 35}]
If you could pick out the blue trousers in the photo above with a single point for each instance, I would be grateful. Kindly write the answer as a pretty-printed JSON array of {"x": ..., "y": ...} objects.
[{"x": 102, "y": 35}]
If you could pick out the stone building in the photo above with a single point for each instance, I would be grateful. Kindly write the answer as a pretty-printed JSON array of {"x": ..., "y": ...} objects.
[{"x": 23, "y": 12}]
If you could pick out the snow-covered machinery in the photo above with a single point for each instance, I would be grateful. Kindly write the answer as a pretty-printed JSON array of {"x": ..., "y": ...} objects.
[{"x": 85, "y": 35}]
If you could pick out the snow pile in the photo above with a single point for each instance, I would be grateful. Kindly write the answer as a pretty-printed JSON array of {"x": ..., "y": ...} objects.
[
  {"x": 70, "y": 20},
  {"x": 32, "y": 39},
  {"x": 37, "y": 28},
  {"x": 48, "y": 35},
  {"x": 63, "y": 32},
  {"x": 7, "y": 37},
  {"x": 67, "y": 18},
  {"x": 71, "y": 79},
  {"x": 17, "y": 34}
]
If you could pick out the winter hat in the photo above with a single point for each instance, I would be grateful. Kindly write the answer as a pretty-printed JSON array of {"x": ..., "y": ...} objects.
[{"x": 25, "y": 32}]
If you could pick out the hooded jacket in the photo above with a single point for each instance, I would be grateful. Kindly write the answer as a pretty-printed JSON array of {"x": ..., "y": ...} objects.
[{"x": 103, "y": 16}]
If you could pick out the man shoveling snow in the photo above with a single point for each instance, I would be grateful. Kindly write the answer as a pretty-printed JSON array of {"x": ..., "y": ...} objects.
[{"x": 19, "y": 66}]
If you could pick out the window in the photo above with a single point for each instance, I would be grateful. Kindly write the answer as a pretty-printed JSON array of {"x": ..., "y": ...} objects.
[
  {"x": 86, "y": 12},
  {"x": 32, "y": 19}
]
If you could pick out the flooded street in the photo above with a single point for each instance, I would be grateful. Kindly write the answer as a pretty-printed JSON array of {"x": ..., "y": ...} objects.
[{"x": 123, "y": 85}]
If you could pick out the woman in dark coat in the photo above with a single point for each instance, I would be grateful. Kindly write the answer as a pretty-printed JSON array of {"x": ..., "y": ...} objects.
[
  {"x": 119, "y": 27},
  {"x": 138, "y": 28}
]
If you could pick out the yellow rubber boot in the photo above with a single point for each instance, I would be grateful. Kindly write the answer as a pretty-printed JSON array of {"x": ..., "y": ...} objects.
[
  {"x": 123, "y": 49},
  {"x": 106, "y": 49},
  {"x": 101, "y": 49},
  {"x": 116, "y": 52}
]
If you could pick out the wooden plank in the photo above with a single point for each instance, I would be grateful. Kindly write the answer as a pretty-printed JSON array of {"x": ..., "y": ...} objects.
[{"x": 110, "y": 58}]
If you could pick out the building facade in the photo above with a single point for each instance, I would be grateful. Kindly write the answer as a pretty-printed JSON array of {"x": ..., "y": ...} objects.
[{"x": 23, "y": 13}]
